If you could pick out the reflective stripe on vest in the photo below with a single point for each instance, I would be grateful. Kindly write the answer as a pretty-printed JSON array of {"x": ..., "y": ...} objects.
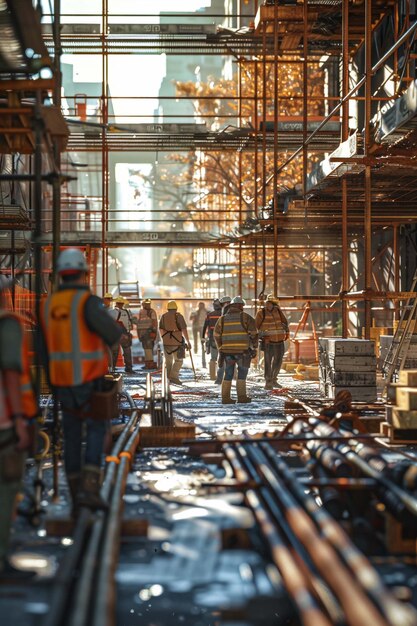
[
  {"x": 272, "y": 326},
  {"x": 28, "y": 399},
  {"x": 145, "y": 320},
  {"x": 235, "y": 337},
  {"x": 212, "y": 318},
  {"x": 76, "y": 354}
]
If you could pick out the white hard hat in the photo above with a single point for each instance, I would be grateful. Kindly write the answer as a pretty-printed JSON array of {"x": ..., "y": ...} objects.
[
  {"x": 238, "y": 300},
  {"x": 71, "y": 261}
]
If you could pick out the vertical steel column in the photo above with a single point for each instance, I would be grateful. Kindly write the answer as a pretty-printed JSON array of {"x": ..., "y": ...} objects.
[
  {"x": 256, "y": 164},
  {"x": 240, "y": 282},
  {"x": 104, "y": 148},
  {"x": 255, "y": 277},
  {"x": 275, "y": 155},
  {"x": 396, "y": 255},
  {"x": 263, "y": 169},
  {"x": 395, "y": 58},
  {"x": 345, "y": 135},
  {"x": 56, "y": 185},
  {"x": 240, "y": 183},
  {"x": 368, "y": 181}
]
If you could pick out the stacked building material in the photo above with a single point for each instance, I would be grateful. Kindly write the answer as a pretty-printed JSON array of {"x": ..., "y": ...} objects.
[
  {"x": 402, "y": 416},
  {"x": 348, "y": 364}
]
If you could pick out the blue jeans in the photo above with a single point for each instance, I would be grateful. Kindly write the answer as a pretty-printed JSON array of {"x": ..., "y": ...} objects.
[
  {"x": 78, "y": 398},
  {"x": 230, "y": 362}
]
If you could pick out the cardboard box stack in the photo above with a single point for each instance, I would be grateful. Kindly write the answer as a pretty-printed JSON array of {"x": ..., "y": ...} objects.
[
  {"x": 402, "y": 416},
  {"x": 347, "y": 364}
]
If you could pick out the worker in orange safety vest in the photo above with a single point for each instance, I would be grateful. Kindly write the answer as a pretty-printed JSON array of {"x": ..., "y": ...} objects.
[
  {"x": 77, "y": 330},
  {"x": 17, "y": 407}
]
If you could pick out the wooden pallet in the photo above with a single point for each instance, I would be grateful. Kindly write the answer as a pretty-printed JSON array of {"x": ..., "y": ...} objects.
[
  {"x": 395, "y": 540},
  {"x": 64, "y": 527},
  {"x": 165, "y": 436},
  {"x": 398, "y": 435}
]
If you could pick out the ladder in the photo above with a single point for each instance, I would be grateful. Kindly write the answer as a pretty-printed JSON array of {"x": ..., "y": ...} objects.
[{"x": 398, "y": 350}]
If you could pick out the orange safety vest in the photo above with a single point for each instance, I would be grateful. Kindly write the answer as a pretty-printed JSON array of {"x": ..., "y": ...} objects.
[
  {"x": 273, "y": 324},
  {"x": 29, "y": 405},
  {"x": 76, "y": 354}
]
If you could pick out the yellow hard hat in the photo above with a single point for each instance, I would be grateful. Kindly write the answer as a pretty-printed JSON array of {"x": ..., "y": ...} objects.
[
  {"x": 172, "y": 305},
  {"x": 147, "y": 301},
  {"x": 120, "y": 300},
  {"x": 108, "y": 295}
]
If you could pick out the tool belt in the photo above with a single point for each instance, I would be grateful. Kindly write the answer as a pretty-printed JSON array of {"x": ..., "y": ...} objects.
[{"x": 103, "y": 403}]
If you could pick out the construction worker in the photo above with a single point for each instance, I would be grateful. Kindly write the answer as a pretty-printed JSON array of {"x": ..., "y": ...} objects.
[
  {"x": 272, "y": 326},
  {"x": 197, "y": 319},
  {"x": 17, "y": 407},
  {"x": 147, "y": 327},
  {"x": 123, "y": 319},
  {"x": 173, "y": 329},
  {"x": 236, "y": 337},
  {"x": 209, "y": 324},
  {"x": 76, "y": 329},
  {"x": 225, "y": 302},
  {"x": 107, "y": 300}
]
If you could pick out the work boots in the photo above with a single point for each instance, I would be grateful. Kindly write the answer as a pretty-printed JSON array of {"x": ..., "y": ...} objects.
[
  {"x": 90, "y": 489},
  {"x": 226, "y": 389},
  {"x": 241, "y": 392},
  {"x": 212, "y": 370},
  {"x": 269, "y": 384}
]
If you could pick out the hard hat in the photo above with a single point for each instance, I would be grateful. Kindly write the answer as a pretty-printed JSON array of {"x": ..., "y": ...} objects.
[
  {"x": 225, "y": 300},
  {"x": 172, "y": 305},
  {"x": 238, "y": 300},
  {"x": 120, "y": 300},
  {"x": 126, "y": 301},
  {"x": 147, "y": 301},
  {"x": 216, "y": 303},
  {"x": 108, "y": 295},
  {"x": 71, "y": 261},
  {"x": 271, "y": 298}
]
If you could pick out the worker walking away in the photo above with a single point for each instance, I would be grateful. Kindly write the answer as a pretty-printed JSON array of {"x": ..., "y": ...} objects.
[
  {"x": 107, "y": 301},
  {"x": 197, "y": 319},
  {"x": 17, "y": 407},
  {"x": 272, "y": 326},
  {"x": 225, "y": 303},
  {"x": 173, "y": 329},
  {"x": 147, "y": 327},
  {"x": 211, "y": 347},
  {"x": 236, "y": 337},
  {"x": 123, "y": 319},
  {"x": 76, "y": 329}
]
